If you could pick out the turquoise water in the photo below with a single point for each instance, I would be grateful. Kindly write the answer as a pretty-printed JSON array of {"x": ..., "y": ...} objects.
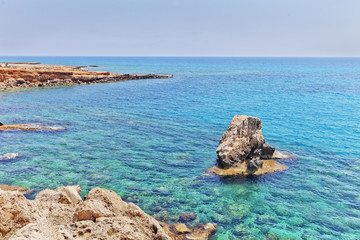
[{"x": 151, "y": 141}]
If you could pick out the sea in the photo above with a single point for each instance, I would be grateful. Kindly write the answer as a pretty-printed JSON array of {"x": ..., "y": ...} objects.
[{"x": 151, "y": 141}]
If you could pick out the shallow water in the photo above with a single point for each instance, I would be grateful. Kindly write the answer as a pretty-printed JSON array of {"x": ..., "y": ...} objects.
[{"x": 151, "y": 140}]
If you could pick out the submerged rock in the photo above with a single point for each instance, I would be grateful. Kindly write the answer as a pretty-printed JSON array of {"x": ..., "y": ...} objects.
[
  {"x": 180, "y": 231},
  {"x": 268, "y": 166},
  {"x": 187, "y": 217},
  {"x": 181, "y": 228},
  {"x": 241, "y": 148},
  {"x": 29, "y": 127},
  {"x": 9, "y": 156},
  {"x": 62, "y": 214}
]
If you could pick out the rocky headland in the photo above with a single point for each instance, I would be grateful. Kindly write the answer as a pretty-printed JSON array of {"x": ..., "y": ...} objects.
[
  {"x": 24, "y": 75},
  {"x": 63, "y": 214},
  {"x": 242, "y": 150}
]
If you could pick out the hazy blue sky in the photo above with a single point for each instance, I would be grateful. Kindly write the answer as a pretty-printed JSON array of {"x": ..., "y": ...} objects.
[{"x": 180, "y": 27}]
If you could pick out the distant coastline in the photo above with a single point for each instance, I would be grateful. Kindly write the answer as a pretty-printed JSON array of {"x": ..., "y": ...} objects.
[{"x": 29, "y": 74}]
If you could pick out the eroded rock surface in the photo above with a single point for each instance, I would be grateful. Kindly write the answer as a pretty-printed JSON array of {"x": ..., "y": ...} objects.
[
  {"x": 12, "y": 188},
  {"x": 242, "y": 150},
  {"x": 62, "y": 214},
  {"x": 180, "y": 231},
  {"x": 29, "y": 127},
  {"x": 8, "y": 156}
]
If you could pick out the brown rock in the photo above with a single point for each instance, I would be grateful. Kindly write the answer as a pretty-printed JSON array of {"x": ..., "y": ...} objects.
[
  {"x": 181, "y": 228},
  {"x": 268, "y": 166},
  {"x": 21, "y": 75},
  {"x": 29, "y": 127},
  {"x": 241, "y": 148},
  {"x": 12, "y": 188},
  {"x": 64, "y": 195},
  {"x": 62, "y": 214},
  {"x": 242, "y": 137},
  {"x": 201, "y": 232},
  {"x": 9, "y": 156}
]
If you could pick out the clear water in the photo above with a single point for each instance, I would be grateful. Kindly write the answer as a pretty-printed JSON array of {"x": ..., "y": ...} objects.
[{"x": 151, "y": 141}]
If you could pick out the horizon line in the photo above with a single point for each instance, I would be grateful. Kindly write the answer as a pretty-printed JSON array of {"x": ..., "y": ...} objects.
[{"x": 164, "y": 56}]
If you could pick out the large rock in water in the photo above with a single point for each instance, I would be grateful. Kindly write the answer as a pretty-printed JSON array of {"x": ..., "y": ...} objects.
[
  {"x": 242, "y": 150},
  {"x": 242, "y": 141}
]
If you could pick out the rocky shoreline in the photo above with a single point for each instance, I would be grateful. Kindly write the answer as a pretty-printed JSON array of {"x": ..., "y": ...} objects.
[
  {"x": 63, "y": 214},
  {"x": 28, "y": 127},
  {"x": 25, "y": 75}
]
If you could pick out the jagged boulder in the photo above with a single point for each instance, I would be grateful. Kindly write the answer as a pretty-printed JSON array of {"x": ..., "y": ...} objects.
[
  {"x": 242, "y": 150},
  {"x": 241, "y": 141}
]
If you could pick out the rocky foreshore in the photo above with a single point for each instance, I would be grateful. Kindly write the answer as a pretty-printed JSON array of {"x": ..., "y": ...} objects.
[
  {"x": 29, "y": 127},
  {"x": 24, "y": 75},
  {"x": 242, "y": 150},
  {"x": 63, "y": 214}
]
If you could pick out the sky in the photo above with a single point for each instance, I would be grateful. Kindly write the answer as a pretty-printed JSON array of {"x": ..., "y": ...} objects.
[{"x": 248, "y": 28}]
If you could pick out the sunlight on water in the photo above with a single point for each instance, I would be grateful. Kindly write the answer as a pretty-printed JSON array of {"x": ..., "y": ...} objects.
[{"x": 151, "y": 141}]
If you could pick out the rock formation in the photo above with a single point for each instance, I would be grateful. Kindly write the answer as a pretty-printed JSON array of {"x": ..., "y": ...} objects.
[
  {"x": 29, "y": 127},
  {"x": 8, "y": 156},
  {"x": 12, "y": 188},
  {"x": 22, "y": 75},
  {"x": 63, "y": 214},
  {"x": 180, "y": 231},
  {"x": 242, "y": 150}
]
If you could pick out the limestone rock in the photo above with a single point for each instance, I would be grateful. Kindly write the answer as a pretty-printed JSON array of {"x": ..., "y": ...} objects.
[
  {"x": 181, "y": 228},
  {"x": 268, "y": 166},
  {"x": 23, "y": 75},
  {"x": 64, "y": 195},
  {"x": 242, "y": 147},
  {"x": 201, "y": 232},
  {"x": 9, "y": 156},
  {"x": 29, "y": 127},
  {"x": 242, "y": 137},
  {"x": 12, "y": 188},
  {"x": 62, "y": 214}
]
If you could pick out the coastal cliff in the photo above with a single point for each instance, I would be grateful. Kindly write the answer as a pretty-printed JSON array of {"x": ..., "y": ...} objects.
[{"x": 23, "y": 75}]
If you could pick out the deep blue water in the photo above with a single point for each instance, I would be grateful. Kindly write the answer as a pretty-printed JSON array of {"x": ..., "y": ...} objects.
[{"x": 151, "y": 140}]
